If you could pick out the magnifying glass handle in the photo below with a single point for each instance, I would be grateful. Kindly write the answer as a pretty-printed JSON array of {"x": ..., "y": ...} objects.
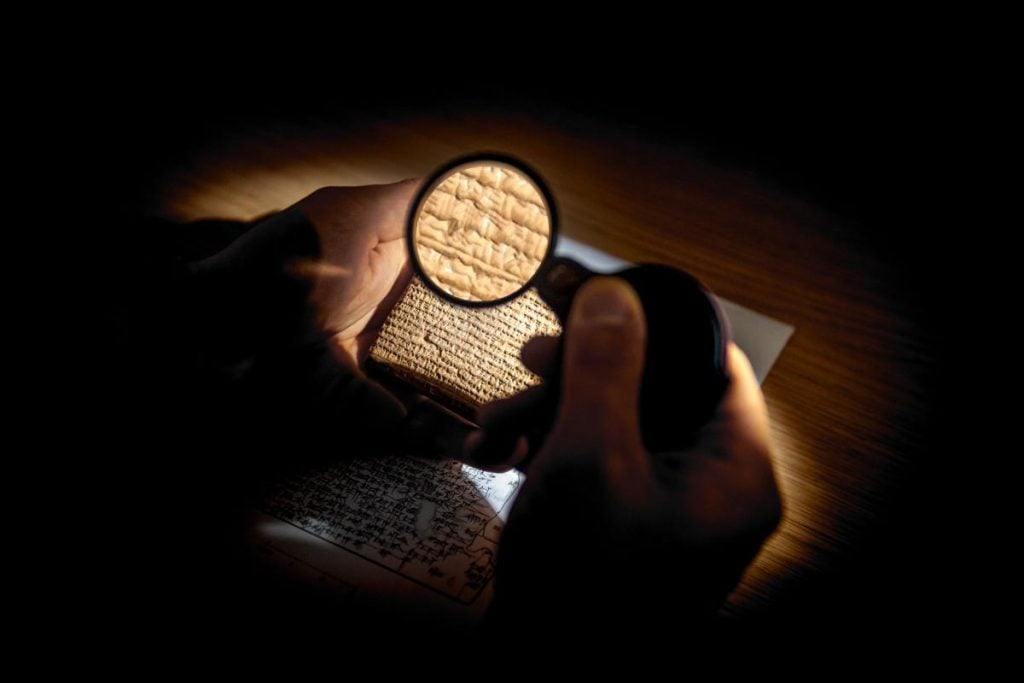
[{"x": 687, "y": 333}]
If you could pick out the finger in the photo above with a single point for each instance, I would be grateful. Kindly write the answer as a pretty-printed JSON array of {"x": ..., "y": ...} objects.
[
  {"x": 602, "y": 369},
  {"x": 430, "y": 430},
  {"x": 314, "y": 269},
  {"x": 539, "y": 355},
  {"x": 512, "y": 429},
  {"x": 373, "y": 213},
  {"x": 395, "y": 201},
  {"x": 744, "y": 396},
  {"x": 505, "y": 412},
  {"x": 263, "y": 250},
  {"x": 737, "y": 440},
  {"x": 740, "y": 425},
  {"x": 387, "y": 260},
  {"x": 501, "y": 443},
  {"x": 494, "y": 451}
]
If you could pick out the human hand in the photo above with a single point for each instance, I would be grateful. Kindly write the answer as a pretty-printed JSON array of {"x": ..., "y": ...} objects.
[
  {"x": 641, "y": 532},
  {"x": 301, "y": 297},
  {"x": 362, "y": 267}
]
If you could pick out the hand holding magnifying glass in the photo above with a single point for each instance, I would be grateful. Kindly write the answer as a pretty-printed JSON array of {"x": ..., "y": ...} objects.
[{"x": 482, "y": 231}]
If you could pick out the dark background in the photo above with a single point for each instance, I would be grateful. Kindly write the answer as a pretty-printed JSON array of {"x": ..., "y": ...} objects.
[{"x": 864, "y": 127}]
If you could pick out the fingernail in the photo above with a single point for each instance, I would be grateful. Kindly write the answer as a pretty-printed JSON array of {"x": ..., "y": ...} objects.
[{"x": 607, "y": 300}]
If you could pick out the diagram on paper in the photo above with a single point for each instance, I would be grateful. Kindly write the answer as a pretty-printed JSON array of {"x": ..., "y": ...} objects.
[{"x": 434, "y": 522}]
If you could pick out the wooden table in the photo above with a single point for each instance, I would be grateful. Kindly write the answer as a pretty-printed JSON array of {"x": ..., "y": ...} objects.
[{"x": 849, "y": 395}]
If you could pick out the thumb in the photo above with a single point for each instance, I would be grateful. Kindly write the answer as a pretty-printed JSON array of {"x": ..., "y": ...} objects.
[
  {"x": 602, "y": 369},
  {"x": 264, "y": 249}
]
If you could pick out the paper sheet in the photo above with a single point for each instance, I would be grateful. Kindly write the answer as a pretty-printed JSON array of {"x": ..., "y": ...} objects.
[
  {"x": 390, "y": 529},
  {"x": 399, "y": 530}
]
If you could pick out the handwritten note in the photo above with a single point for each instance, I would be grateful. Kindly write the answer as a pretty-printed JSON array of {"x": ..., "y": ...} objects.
[{"x": 436, "y": 523}]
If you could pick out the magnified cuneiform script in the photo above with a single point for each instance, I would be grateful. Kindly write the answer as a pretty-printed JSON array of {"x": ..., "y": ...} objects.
[{"x": 482, "y": 232}]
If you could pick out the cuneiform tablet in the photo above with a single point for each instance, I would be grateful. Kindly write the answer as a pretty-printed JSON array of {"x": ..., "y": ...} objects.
[{"x": 469, "y": 356}]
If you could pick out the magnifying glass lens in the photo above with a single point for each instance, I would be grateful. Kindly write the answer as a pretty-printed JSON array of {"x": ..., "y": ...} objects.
[{"x": 481, "y": 230}]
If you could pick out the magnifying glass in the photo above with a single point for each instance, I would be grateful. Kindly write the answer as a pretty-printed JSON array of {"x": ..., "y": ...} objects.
[{"x": 481, "y": 230}]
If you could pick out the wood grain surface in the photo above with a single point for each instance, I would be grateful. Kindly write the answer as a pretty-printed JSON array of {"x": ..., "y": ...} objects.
[{"x": 849, "y": 395}]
